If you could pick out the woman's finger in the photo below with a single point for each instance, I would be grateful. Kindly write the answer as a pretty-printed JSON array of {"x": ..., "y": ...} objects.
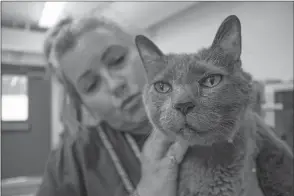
[
  {"x": 156, "y": 145},
  {"x": 177, "y": 151}
]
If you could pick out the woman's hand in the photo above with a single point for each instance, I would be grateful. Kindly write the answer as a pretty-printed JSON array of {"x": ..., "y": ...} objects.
[{"x": 160, "y": 159}]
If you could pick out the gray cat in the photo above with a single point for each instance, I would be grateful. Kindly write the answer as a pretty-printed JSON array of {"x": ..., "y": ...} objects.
[{"x": 205, "y": 100}]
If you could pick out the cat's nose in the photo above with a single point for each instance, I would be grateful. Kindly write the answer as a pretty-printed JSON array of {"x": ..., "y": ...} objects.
[{"x": 184, "y": 108}]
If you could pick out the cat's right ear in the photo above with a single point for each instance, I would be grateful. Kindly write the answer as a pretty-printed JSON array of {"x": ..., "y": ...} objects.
[
  {"x": 150, "y": 55},
  {"x": 228, "y": 36}
]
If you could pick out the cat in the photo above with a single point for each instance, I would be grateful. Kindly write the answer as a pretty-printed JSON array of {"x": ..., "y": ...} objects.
[{"x": 205, "y": 99}]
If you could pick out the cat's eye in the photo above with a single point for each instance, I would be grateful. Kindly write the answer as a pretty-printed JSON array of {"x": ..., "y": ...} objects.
[
  {"x": 211, "y": 81},
  {"x": 162, "y": 87}
]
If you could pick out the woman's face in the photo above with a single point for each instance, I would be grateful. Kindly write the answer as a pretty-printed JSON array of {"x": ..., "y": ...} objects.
[{"x": 106, "y": 70}]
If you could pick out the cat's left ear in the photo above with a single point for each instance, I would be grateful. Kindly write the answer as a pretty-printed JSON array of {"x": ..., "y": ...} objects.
[
  {"x": 150, "y": 55},
  {"x": 228, "y": 37}
]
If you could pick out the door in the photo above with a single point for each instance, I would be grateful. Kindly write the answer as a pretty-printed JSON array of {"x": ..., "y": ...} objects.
[
  {"x": 25, "y": 140},
  {"x": 284, "y": 117}
]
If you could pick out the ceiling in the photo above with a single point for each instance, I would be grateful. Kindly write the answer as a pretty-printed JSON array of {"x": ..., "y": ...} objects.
[
  {"x": 23, "y": 37},
  {"x": 26, "y": 15},
  {"x": 21, "y": 12}
]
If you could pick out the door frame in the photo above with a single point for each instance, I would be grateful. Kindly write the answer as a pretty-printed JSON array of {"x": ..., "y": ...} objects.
[{"x": 28, "y": 71}]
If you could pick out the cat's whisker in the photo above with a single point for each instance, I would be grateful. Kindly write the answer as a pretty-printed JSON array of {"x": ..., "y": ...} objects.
[
  {"x": 203, "y": 120},
  {"x": 198, "y": 89},
  {"x": 232, "y": 121},
  {"x": 212, "y": 128},
  {"x": 229, "y": 140}
]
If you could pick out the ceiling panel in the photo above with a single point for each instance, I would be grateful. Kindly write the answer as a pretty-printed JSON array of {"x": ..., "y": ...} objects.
[
  {"x": 136, "y": 16},
  {"x": 140, "y": 15},
  {"x": 77, "y": 9},
  {"x": 145, "y": 14},
  {"x": 21, "y": 12}
]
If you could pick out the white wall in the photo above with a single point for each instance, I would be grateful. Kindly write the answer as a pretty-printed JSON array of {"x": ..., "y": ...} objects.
[
  {"x": 22, "y": 40},
  {"x": 267, "y": 29}
]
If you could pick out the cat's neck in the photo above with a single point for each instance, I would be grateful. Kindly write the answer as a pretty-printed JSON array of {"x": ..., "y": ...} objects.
[{"x": 227, "y": 151}]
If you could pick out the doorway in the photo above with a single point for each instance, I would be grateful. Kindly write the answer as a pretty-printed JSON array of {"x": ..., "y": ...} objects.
[{"x": 26, "y": 120}]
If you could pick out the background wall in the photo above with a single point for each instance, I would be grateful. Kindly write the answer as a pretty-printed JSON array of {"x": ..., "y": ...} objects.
[
  {"x": 16, "y": 40},
  {"x": 267, "y": 33}
]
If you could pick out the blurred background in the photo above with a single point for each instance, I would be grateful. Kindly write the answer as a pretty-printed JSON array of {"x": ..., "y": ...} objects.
[{"x": 32, "y": 101}]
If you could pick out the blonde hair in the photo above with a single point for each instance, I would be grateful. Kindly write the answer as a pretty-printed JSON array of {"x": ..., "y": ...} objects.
[
  {"x": 64, "y": 35},
  {"x": 59, "y": 40}
]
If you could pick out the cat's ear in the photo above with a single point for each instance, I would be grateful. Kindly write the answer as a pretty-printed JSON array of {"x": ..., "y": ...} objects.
[
  {"x": 228, "y": 37},
  {"x": 149, "y": 53}
]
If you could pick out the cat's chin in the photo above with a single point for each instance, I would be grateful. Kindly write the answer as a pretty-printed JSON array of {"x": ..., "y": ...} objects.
[
  {"x": 194, "y": 137},
  {"x": 189, "y": 136}
]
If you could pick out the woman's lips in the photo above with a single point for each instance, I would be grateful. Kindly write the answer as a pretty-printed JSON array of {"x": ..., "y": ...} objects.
[{"x": 131, "y": 101}]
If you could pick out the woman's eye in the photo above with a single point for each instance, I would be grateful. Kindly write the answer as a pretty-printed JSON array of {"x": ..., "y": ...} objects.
[
  {"x": 91, "y": 84},
  {"x": 211, "y": 81},
  {"x": 162, "y": 87},
  {"x": 115, "y": 55},
  {"x": 117, "y": 60}
]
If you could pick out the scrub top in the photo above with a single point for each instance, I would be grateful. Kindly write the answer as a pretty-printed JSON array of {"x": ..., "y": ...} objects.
[{"x": 82, "y": 166}]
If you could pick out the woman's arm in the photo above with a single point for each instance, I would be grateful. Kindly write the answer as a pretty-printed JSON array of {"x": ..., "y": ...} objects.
[{"x": 274, "y": 164}]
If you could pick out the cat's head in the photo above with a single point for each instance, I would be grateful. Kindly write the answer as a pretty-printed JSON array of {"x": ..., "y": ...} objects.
[{"x": 197, "y": 97}]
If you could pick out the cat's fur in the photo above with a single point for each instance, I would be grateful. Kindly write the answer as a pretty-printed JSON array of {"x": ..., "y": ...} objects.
[{"x": 232, "y": 152}]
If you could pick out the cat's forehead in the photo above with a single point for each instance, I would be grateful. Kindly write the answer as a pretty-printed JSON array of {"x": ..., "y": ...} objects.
[{"x": 188, "y": 65}]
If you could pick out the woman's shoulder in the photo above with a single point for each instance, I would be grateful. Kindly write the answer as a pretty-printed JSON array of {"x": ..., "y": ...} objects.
[
  {"x": 83, "y": 148},
  {"x": 87, "y": 135},
  {"x": 83, "y": 160}
]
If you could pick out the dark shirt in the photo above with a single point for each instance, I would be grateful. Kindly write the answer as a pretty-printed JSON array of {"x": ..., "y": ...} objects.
[{"x": 82, "y": 166}]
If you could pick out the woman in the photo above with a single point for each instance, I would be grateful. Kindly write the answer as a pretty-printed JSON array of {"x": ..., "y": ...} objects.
[{"x": 97, "y": 63}]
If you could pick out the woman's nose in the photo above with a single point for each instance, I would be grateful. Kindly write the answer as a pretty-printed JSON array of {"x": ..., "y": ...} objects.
[
  {"x": 116, "y": 84},
  {"x": 118, "y": 89}
]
